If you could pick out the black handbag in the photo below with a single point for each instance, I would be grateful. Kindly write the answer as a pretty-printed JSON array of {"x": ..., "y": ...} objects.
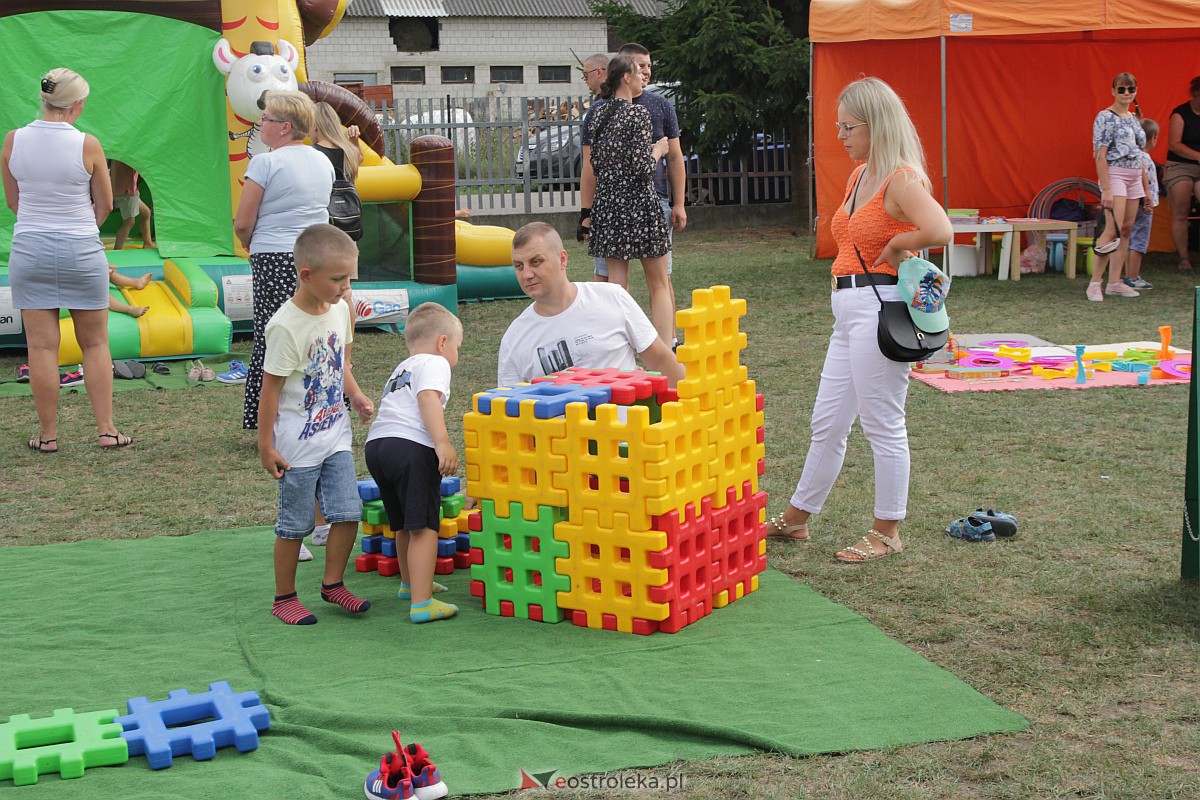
[
  {"x": 899, "y": 337},
  {"x": 345, "y": 209}
]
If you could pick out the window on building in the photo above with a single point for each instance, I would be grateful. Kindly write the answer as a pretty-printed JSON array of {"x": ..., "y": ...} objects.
[
  {"x": 508, "y": 74},
  {"x": 414, "y": 34},
  {"x": 458, "y": 74},
  {"x": 408, "y": 75},
  {"x": 348, "y": 78},
  {"x": 554, "y": 74}
]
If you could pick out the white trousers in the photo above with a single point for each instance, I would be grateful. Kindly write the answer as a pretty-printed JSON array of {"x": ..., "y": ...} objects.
[{"x": 858, "y": 381}]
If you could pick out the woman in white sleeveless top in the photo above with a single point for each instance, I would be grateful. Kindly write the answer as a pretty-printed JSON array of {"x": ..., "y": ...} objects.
[{"x": 56, "y": 182}]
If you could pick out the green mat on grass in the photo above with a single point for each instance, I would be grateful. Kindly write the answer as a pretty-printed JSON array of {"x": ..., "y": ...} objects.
[
  {"x": 9, "y": 387},
  {"x": 88, "y": 625}
]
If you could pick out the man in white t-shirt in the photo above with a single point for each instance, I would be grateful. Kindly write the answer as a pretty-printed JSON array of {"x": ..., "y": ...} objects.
[{"x": 586, "y": 324}]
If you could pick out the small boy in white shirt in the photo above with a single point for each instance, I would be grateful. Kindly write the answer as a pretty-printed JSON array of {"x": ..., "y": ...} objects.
[
  {"x": 408, "y": 450},
  {"x": 303, "y": 422},
  {"x": 1139, "y": 235}
]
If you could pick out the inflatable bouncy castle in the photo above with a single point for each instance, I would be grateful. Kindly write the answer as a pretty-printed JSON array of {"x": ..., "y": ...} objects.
[{"x": 174, "y": 92}]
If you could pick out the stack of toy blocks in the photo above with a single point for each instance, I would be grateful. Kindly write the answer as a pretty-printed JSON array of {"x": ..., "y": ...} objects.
[
  {"x": 379, "y": 540},
  {"x": 611, "y": 500}
]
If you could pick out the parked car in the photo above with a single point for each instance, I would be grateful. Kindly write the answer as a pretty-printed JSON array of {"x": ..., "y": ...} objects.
[{"x": 554, "y": 153}]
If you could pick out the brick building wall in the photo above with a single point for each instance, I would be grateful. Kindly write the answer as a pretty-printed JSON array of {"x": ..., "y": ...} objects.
[{"x": 364, "y": 45}]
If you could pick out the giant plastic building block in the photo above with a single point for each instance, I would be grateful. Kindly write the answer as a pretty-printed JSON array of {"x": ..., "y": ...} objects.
[
  {"x": 510, "y": 458},
  {"x": 518, "y": 560},
  {"x": 65, "y": 742},
  {"x": 653, "y": 492},
  {"x": 195, "y": 724}
]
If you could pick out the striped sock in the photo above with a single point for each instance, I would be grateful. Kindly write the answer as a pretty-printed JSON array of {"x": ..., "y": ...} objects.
[
  {"x": 405, "y": 592},
  {"x": 289, "y": 609},
  {"x": 431, "y": 610},
  {"x": 338, "y": 593}
]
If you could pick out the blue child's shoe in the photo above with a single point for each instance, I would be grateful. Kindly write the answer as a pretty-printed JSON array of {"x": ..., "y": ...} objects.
[
  {"x": 972, "y": 529},
  {"x": 237, "y": 373},
  {"x": 1003, "y": 525}
]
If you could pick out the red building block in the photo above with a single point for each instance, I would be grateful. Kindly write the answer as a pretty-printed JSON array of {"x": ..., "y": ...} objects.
[
  {"x": 475, "y": 521},
  {"x": 506, "y": 608},
  {"x": 626, "y": 387},
  {"x": 688, "y": 559},
  {"x": 477, "y": 589},
  {"x": 443, "y": 566},
  {"x": 462, "y": 560},
  {"x": 367, "y": 562},
  {"x": 739, "y": 534},
  {"x": 387, "y": 567}
]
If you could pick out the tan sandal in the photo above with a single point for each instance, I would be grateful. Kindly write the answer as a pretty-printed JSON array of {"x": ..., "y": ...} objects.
[
  {"x": 779, "y": 529},
  {"x": 864, "y": 549}
]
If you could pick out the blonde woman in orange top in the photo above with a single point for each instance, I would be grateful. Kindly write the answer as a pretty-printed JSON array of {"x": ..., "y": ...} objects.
[{"x": 888, "y": 213}]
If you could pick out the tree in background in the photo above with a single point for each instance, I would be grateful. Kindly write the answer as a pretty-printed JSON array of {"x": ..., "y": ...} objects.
[{"x": 738, "y": 67}]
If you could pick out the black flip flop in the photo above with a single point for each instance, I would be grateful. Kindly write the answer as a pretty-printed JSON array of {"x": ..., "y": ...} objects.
[
  {"x": 137, "y": 368},
  {"x": 121, "y": 369},
  {"x": 161, "y": 368}
]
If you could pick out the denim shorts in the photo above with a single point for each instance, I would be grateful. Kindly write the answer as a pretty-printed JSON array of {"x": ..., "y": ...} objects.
[
  {"x": 601, "y": 266},
  {"x": 1139, "y": 235},
  {"x": 332, "y": 483}
]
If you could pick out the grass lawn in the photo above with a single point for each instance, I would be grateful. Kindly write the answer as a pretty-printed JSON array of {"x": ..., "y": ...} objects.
[{"x": 1080, "y": 623}]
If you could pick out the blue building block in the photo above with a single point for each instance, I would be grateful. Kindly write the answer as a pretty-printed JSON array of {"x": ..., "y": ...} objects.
[
  {"x": 387, "y": 547},
  {"x": 447, "y": 547},
  {"x": 368, "y": 490},
  {"x": 463, "y": 542},
  {"x": 373, "y": 544},
  {"x": 193, "y": 723},
  {"x": 549, "y": 399},
  {"x": 451, "y": 485}
]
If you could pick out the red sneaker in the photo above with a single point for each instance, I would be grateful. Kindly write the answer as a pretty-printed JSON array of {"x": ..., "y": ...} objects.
[
  {"x": 393, "y": 779},
  {"x": 427, "y": 783}
]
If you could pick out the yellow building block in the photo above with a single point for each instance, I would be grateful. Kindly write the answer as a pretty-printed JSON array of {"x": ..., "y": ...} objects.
[
  {"x": 609, "y": 570},
  {"x": 514, "y": 458},
  {"x": 737, "y": 438},
  {"x": 448, "y": 528},
  {"x": 370, "y": 530},
  {"x": 633, "y": 467},
  {"x": 712, "y": 344}
]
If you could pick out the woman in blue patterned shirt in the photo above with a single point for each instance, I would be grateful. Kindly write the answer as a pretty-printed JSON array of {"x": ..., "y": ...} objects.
[{"x": 1117, "y": 142}]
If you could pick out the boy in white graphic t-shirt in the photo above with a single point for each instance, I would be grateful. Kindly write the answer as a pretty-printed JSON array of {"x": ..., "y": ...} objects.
[
  {"x": 303, "y": 421},
  {"x": 408, "y": 450}
]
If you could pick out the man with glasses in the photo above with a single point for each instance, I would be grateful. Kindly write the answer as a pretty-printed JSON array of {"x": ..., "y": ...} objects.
[
  {"x": 672, "y": 170},
  {"x": 595, "y": 70}
]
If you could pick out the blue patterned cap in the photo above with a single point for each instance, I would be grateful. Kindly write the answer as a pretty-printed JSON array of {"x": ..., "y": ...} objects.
[{"x": 923, "y": 287}]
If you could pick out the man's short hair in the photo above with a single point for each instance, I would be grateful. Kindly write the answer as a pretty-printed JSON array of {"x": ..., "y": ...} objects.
[
  {"x": 537, "y": 230},
  {"x": 429, "y": 320},
  {"x": 318, "y": 246},
  {"x": 599, "y": 59},
  {"x": 633, "y": 48}
]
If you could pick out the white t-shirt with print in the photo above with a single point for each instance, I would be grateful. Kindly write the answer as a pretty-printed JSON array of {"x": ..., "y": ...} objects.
[
  {"x": 309, "y": 351},
  {"x": 603, "y": 328},
  {"x": 399, "y": 416}
]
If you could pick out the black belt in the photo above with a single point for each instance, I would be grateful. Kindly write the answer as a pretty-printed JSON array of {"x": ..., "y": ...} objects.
[{"x": 862, "y": 279}]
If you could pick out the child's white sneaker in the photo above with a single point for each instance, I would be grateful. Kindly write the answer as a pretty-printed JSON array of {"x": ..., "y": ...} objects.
[
  {"x": 305, "y": 554},
  {"x": 320, "y": 536}
]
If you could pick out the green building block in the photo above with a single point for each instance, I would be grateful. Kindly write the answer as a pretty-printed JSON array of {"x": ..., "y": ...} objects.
[
  {"x": 527, "y": 564},
  {"x": 65, "y": 742},
  {"x": 373, "y": 513},
  {"x": 452, "y": 506}
]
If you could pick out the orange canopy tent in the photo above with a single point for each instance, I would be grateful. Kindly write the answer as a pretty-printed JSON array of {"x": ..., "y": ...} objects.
[{"x": 1003, "y": 92}]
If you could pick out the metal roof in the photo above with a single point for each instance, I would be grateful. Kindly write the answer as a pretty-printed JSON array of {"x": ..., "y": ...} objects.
[{"x": 486, "y": 8}]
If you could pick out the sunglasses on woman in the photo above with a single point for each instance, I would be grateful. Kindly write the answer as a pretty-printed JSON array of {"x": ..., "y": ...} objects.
[{"x": 1124, "y": 89}]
